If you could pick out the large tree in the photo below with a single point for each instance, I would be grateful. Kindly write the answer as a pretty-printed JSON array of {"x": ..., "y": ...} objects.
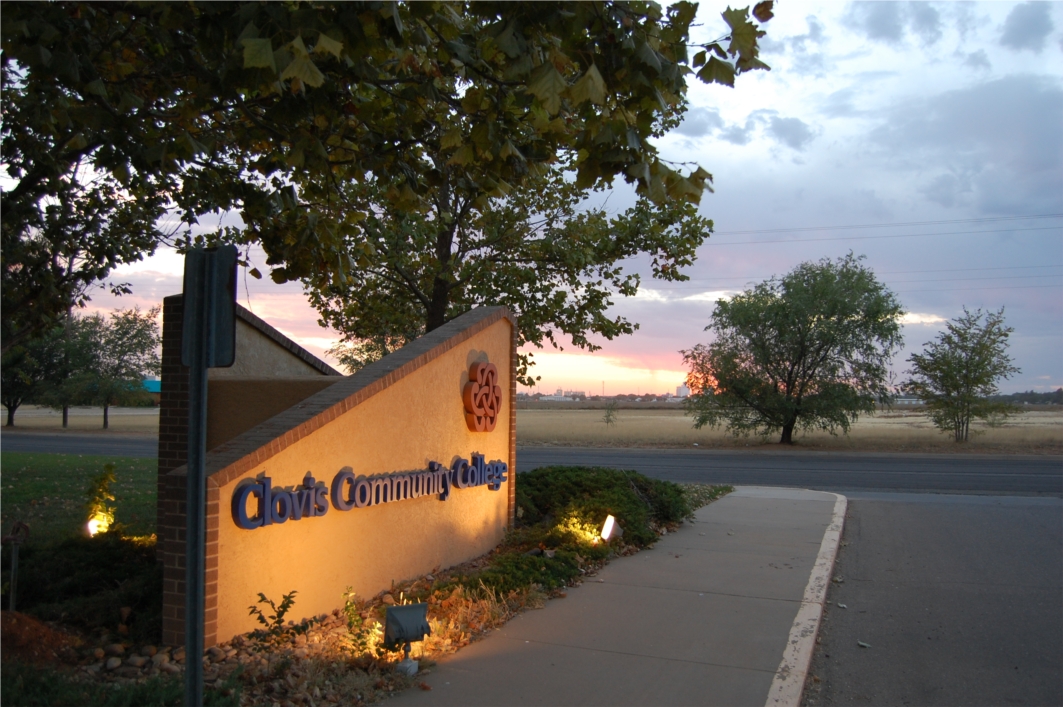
[
  {"x": 807, "y": 350},
  {"x": 253, "y": 106},
  {"x": 957, "y": 372},
  {"x": 555, "y": 265}
]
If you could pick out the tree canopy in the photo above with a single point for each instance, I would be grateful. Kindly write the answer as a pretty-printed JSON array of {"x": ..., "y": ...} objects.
[
  {"x": 957, "y": 372},
  {"x": 536, "y": 251},
  {"x": 264, "y": 108},
  {"x": 808, "y": 350}
]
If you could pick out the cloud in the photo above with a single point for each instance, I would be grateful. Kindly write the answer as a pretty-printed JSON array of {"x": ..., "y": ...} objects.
[
  {"x": 699, "y": 122},
  {"x": 925, "y": 319},
  {"x": 737, "y": 134},
  {"x": 925, "y": 21},
  {"x": 880, "y": 21},
  {"x": 978, "y": 60},
  {"x": 1027, "y": 26},
  {"x": 998, "y": 140},
  {"x": 792, "y": 132}
]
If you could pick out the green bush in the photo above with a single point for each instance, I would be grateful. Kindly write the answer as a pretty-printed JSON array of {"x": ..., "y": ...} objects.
[
  {"x": 561, "y": 511},
  {"x": 85, "y": 582},
  {"x": 589, "y": 494}
]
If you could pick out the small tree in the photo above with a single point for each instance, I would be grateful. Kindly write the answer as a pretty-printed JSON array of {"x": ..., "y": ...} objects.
[
  {"x": 958, "y": 371},
  {"x": 809, "y": 350},
  {"x": 25, "y": 370},
  {"x": 125, "y": 352}
]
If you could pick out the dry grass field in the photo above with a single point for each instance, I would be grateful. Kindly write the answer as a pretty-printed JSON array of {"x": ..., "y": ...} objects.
[{"x": 1034, "y": 432}]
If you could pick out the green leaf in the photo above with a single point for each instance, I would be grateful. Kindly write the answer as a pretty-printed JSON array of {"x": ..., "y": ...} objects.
[
  {"x": 298, "y": 48},
  {"x": 258, "y": 54},
  {"x": 547, "y": 85},
  {"x": 328, "y": 45},
  {"x": 303, "y": 69},
  {"x": 463, "y": 156},
  {"x": 743, "y": 33},
  {"x": 253, "y": 272},
  {"x": 96, "y": 88},
  {"x": 590, "y": 87},
  {"x": 452, "y": 138},
  {"x": 649, "y": 57},
  {"x": 717, "y": 71},
  {"x": 699, "y": 59}
]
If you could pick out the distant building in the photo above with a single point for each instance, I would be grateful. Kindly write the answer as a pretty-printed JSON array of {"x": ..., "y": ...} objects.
[
  {"x": 575, "y": 394},
  {"x": 559, "y": 396},
  {"x": 907, "y": 400},
  {"x": 682, "y": 391}
]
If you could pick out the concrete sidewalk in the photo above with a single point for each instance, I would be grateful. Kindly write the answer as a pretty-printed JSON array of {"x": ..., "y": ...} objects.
[{"x": 722, "y": 612}]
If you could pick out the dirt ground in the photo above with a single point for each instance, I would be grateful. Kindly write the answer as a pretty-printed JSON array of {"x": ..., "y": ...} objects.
[
  {"x": 32, "y": 641},
  {"x": 89, "y": 419},
  {"x": 1033, "y": 432}
]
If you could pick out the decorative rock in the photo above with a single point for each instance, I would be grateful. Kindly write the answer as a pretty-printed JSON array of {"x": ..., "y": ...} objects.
[
  {"x": 149, "y": 651},
  {"x": 179, "y": 655},
  {"x": 114, "y": 649},
  {"x": 159, "y": 659},
  {"x": 112, "y": 663},
  {"x": 170, "y": 668},
  {"x": 137, "y": 661},
  {"x": 98, "y": 654},
  {"x": 388, "y": 599},
  {"x": 94, "y": 668},
  {"x": 216, "y": 654},
  {"x": 127, "y": 671}
]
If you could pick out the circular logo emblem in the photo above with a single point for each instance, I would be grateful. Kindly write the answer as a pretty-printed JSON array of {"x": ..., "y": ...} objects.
[{"x": 483, "y": 397}]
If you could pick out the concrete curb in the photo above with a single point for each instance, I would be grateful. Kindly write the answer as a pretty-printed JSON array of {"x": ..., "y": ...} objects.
[{"x": 789, "y": 681}]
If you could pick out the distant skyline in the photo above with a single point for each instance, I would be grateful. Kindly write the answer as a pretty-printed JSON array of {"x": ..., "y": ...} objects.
[{"x": 925, "y": 136}]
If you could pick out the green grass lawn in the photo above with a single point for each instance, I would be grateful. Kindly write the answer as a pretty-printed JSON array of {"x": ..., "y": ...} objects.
[{"x": 47, "y": 492}]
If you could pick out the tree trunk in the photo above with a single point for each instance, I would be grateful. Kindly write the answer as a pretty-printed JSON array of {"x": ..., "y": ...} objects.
[
  {"x": 105, "y": 416},
  {"x": 437, "y": 310},
  {"x": 11, "y": 416},
  {"x": 66, "y": 416},
  {"x": 788, "y": 432}
]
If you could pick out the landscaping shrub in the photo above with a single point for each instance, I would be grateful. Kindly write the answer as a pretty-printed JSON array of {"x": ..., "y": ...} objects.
[
  {"x": 561, "y": 510},
  {"x": 85, "y": 582}
]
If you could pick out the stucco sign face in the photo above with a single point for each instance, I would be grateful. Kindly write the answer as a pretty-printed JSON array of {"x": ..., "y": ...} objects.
[{"x": 482, "y": 397}]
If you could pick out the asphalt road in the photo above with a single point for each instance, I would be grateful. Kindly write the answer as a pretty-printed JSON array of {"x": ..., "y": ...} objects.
[
  {"x": 96, "y": 443},
  {"x": 828, "y": 471},
  {"x": 960, "y": 599}
]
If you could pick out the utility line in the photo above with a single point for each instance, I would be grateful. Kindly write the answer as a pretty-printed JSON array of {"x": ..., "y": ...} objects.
[
  {"x": 968, "y": 289},
  {"x": 902, "y": 282},
  {"x": 802, "y": 229},
  {"x": 900, "y": 235}
]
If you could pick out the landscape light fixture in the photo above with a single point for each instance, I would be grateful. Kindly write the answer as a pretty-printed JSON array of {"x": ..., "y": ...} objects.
[
  {"x": 403, "y": 624},
  {"x": 611, "y": 529}
]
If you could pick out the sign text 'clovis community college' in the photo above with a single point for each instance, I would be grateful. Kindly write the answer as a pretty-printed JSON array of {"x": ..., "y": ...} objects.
[{"x": 348, "y": 491}]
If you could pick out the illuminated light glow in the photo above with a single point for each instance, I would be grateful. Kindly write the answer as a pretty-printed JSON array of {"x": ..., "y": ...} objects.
[
  {"x": 609, "y": 528},
  {"x": 98, "y": 523}
]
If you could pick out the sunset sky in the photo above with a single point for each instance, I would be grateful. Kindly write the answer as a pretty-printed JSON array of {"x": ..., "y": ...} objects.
[{"x": 926, "y": 136}]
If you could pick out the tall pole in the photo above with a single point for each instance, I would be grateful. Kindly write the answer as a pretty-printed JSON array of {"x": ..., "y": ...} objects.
[{"x": 208, "y": 340}]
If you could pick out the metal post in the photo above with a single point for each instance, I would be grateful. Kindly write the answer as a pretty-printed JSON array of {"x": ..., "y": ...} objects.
[
  {"x": 19, "y": 532},
  {"x": 208, "y": 340}
]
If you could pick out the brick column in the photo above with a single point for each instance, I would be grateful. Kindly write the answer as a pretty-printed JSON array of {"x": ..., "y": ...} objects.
[{"x": 173, "y": 451}]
